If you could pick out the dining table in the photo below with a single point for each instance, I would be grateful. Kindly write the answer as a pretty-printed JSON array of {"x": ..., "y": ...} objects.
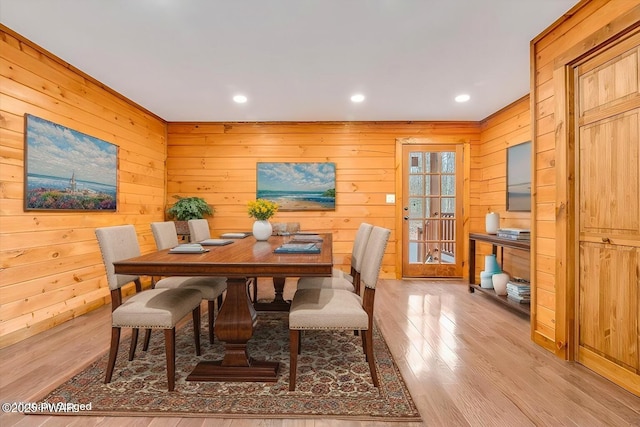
[{"x": 238, "y": 262}]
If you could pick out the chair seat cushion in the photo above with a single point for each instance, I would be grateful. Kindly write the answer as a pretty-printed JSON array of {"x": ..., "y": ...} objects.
[
  {"x": 210, "y": 287},
  {"x": 156, "y": 308},
  {"x": 325, "y": 283},
  {"x": 327, "y": 309}
]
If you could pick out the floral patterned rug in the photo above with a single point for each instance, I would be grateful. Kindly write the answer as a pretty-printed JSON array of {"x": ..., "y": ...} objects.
[{"x": 333, "y": 380}]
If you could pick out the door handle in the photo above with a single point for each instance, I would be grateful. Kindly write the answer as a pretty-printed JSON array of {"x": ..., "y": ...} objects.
[{"x": 606, "y": 240}]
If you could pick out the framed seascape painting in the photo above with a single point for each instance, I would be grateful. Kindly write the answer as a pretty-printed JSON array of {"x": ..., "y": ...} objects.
[
  {"x": 67, "y": 170},
  {"x": 298, "y": 186},
  {"x": 519, "y": 177}
]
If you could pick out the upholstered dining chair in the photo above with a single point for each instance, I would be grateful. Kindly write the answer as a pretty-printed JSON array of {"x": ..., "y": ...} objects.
[
  {"x": 340, "y": 279},
  {"x": 198, "y": 230},
  {"x": 148, "y": 309},
  {"x": 212, "y": 288},
  {"x": 340, "y": 309}
]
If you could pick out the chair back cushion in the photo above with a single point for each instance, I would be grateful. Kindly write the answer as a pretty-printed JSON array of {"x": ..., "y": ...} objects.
[
  {"x": 373, "y": 254},
  {"x": 117, "y": 243},
  {"x": 165, "y": 234},
  {"x": 359, "y": 245},
  {"x": 199, "y": 230}
]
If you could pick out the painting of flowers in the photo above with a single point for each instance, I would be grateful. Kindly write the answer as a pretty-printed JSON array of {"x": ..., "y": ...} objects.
[
  {"x": 68, "y": 170},
  {"x": 298, "y": 186}
]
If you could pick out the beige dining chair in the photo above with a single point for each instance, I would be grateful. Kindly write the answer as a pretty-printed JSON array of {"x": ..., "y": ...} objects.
[
  {"x": 146, "y": 309},
  {"x": 339, "y": 309},
  {"x": 212, "y": 288},
  {"x": 340, "y": 279},
  {"x": 198, "y": 230}
]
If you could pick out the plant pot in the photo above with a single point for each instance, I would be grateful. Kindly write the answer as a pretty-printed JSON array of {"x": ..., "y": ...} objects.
[
  {"x": 182, "y": 228},
  {"x": 262, "y": 230}
]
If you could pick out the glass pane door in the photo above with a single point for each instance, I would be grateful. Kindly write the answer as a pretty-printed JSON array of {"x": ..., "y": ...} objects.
[{"x": 431, "y": 218}]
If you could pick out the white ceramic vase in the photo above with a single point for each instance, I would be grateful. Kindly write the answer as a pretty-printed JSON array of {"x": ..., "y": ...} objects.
[
  {"x": 262, "y": 230},
  {"x": 492, "y": 222},
  {"x": 500, "y": 283}
]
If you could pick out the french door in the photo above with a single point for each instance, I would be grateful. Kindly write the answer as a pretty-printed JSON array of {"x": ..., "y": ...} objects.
[{"x": 432, "y": 214}]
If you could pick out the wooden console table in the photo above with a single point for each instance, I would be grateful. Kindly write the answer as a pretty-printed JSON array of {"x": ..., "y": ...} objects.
[{"x": 524, "y": 245}]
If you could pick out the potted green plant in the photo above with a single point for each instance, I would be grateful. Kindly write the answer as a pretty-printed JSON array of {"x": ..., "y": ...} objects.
[{"x": 186, "y": 208}]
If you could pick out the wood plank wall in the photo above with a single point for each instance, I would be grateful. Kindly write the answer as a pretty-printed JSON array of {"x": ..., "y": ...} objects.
[
  {"x": 505, "y": 128},
  {"x": 51, "y": 268},
  {"x": 217, "y": 161},
  {"x": 584, "y": 28}
]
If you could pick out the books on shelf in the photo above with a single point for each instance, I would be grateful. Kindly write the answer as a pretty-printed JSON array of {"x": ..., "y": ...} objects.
[
  {"x": 514, "y": 233},
  {"x": 519, "y": 291},
  {"x": 513, "y": 236}
]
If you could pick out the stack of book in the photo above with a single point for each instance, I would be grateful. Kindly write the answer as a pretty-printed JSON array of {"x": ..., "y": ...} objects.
[
  {"x": 519, "y": 291},
  {"x": 514, "y": 233}
]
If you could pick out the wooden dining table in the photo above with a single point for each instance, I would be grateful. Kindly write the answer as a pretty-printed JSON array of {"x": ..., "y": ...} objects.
[{"x": 243, "y": 259}]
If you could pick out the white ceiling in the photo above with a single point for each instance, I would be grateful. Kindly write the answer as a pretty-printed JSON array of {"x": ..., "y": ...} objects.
[{"x": 296, "y": 60}]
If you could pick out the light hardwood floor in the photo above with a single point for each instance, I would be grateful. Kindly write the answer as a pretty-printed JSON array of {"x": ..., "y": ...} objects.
[{"x": 466, "y": 360}]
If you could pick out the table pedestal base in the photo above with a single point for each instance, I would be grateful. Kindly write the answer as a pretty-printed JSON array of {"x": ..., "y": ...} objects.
[
  {"x": 257, "y": 371},
  {"x": 278, "y": 303}
]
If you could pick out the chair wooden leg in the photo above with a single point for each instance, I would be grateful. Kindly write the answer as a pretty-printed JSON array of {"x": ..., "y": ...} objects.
[
  {"x": 113, "y": 353},
  {"x": 294, "y": 341},
  {"x": 170, "y": 350},
  {"x": 212, "y": 307},
  {"x": 369, "y": 353},
  {"x": 134, "y": 343},
  {"x": 220, "y": 301},
  {"x": 147, "y": 339},
  {"x": 364, "y": 344},
  {"x": 196, "y": 328}
]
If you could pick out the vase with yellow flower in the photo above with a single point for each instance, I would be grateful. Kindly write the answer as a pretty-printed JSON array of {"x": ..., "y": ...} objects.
[{"x": 261, "y": 210}]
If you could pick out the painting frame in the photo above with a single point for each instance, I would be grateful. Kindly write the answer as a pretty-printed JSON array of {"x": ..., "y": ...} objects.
[
  {"x": 297, "y": 186},
  {"x": 518, "y": 188},
  {"x": 67, "y": 170}
]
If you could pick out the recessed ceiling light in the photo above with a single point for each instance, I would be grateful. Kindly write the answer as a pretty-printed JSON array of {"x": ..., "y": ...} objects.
[
  {"x": 463, "y": 98},
  {"x": 240, "y": 99},
  {"x": 357, "y": 98}
]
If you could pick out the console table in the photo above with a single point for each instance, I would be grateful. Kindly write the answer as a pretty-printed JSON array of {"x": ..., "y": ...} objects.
[{"x": 495, "y": 241}]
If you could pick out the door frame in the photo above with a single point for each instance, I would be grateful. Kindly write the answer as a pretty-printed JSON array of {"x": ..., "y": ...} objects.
[
  {"x": 566, "y": 224},
  {"x": 399, "y": 203}
]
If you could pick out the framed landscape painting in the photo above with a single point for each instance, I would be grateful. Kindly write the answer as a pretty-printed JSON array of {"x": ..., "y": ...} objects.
[
  {"x": 298, "y": 186},
  {"x": 68, "y": 170}
]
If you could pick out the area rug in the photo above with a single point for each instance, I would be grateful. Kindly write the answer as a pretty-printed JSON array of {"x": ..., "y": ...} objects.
[{"x": 333, "y": 380}]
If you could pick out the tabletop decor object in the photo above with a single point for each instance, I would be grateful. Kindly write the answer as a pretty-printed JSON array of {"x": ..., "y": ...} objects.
[
  {"x": 492, "y": 222},
  {"x": 261, "y": 210},
  {"x": 500, "y": 281}
]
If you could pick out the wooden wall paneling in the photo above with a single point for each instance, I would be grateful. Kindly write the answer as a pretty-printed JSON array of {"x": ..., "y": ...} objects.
[
  {"x": 218, "y": 162},
  {"x": 505, "y": 128},
  {"x": 50, "y": 265}
]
